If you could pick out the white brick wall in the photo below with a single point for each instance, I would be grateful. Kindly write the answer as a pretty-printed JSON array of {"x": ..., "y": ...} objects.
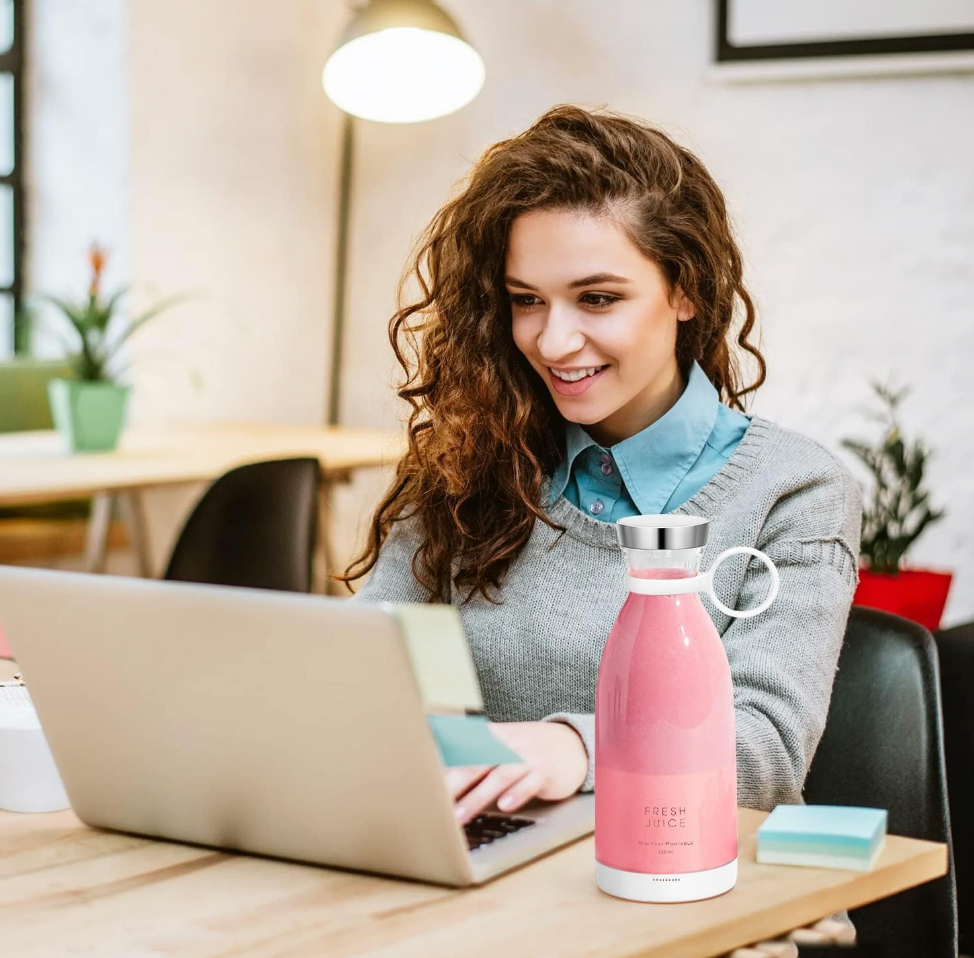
[{"x": 853, "y": 198}]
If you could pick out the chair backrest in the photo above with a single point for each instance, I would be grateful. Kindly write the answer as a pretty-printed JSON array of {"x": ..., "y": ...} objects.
[
  {"x": 956, "y": 649},
  {"x": 883, "y": 747},
  {"x": 255, "y": 526},
  {"x": 23, "y": 392}
]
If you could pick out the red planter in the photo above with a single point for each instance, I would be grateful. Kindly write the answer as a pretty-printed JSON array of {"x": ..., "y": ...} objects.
[{"x": 915, "y": 594}]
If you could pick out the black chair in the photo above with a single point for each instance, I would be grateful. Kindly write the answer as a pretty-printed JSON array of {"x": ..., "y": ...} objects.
[
  {"x": 255, "y": 526},
  {"x": 956, "y": 649},
  {"x": 883, "y": 747}
]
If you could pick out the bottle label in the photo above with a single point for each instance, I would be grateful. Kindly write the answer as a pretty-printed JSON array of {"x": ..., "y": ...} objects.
[{"x": 660, "y": 824}]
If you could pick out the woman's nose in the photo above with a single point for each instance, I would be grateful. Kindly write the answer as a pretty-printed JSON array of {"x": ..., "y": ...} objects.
[{"x": 560, "y": 336}]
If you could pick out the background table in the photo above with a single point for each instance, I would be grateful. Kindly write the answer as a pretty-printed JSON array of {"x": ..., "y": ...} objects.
[
  {"x": 67, "y": 889},
  {"x": 34, "y": 467}
]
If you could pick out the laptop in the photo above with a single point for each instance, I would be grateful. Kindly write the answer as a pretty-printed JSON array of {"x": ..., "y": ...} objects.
[{"x": 273, "y": 723}]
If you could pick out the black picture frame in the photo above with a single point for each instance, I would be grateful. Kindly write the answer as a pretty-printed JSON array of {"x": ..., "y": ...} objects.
[{"x": 726, "y": 52}]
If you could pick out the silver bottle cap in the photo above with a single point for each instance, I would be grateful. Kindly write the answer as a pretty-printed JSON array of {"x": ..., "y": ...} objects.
[{"x": 662, "y": 532}]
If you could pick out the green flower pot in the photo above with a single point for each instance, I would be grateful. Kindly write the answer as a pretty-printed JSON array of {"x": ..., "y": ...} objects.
[{"x": 88, "y": 415}]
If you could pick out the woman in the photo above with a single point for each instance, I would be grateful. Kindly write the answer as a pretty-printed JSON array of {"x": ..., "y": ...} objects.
[{"x": 575, "y": 363}]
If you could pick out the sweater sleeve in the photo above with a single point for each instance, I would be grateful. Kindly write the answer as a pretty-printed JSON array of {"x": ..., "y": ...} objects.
[
  {"x": 392, "y": 578},
  {"x": 783, "y": 661},
  {"x": 783, "y": 665}
]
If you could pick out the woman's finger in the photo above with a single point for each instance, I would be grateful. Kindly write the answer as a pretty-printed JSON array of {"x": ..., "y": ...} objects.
[
  {"x": 501, "y": 778},
  {"x": 521, "y": 793},
  {"x": 461, "y": 778}
]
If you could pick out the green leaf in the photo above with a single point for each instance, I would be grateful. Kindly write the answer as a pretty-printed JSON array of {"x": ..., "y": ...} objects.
[
  {"x": 897, "y": 453},
  {"x": 110, "y": 305},
  {"x": 88, "y": 365},
  {"x": 897, "y": 511},
  {"x": 864, "y": 452}
]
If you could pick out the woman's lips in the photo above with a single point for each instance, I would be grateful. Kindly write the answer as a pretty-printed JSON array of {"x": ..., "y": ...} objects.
[{"x": 564, "y": 388}]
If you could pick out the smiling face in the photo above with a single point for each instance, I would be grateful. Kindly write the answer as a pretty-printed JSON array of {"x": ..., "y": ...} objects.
[{"x": 587, "y": 304}]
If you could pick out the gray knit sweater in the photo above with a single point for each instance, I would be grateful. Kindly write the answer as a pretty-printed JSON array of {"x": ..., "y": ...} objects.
[{"x": 537, "y": 654}]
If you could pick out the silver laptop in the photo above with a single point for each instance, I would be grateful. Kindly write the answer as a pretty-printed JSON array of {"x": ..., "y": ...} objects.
[{"x": 267, "y": 722}]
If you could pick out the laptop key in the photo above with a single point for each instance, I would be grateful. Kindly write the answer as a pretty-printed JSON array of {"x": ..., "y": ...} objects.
[{"x": 489, "y": 827}]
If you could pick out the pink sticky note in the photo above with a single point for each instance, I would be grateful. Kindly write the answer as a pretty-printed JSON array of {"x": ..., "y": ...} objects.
[{"x": 5, "y": 652}]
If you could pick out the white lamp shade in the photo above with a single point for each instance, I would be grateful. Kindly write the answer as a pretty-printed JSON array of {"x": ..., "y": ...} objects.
[{"x": 403, "y": 75}]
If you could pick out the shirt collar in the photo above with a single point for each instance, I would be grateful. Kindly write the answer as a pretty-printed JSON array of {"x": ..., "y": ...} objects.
[
  {"x": 576, "y": 440},
  {"x": 654, "y": 461}
]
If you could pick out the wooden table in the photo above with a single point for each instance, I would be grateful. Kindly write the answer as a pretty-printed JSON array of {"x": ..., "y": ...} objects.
[
  {"x": 67, "y": 889},
  {"x": 35, "y": 468}
]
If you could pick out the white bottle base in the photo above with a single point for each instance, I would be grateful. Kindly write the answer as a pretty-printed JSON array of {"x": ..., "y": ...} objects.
[{"x": 689, "y": 886}]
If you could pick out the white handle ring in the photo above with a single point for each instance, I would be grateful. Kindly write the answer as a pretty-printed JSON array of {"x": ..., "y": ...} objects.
[{"x": 747, "y": 613}]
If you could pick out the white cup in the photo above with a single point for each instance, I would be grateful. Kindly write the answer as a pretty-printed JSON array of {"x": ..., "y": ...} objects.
[{"x": 29, "y": 779}]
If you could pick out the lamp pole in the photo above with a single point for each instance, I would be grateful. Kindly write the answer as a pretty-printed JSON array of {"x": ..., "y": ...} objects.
[
  {"x": 341, "y": 264},
  {"x": 399, "y": 61}
]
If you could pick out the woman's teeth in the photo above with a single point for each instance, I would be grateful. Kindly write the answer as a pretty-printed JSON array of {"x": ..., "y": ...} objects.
[{"x": 573, "y": 377}]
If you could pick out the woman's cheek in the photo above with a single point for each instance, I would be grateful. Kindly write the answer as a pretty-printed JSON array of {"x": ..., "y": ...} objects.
[{"x": 521, "y": 336}]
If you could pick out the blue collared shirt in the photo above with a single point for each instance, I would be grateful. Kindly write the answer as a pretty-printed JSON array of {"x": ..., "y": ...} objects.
[{"x": 660, "y": 467}]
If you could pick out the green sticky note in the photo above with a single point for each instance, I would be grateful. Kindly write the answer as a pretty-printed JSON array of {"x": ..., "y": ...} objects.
[
  {"x": 440, "y": 656},
  {"x": 467, "y": 740}
]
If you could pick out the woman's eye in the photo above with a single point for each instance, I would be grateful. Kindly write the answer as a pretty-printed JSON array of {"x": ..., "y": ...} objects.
[
  {"x": 591, "y": 300},
  {"x": 602, "y": 300},
  {"x": 518, "y": 302}
]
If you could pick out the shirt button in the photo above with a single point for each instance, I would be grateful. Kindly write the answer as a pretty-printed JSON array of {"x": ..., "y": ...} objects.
[
  {"x": 597, "y": 506},
  {"x": 606, "y": 466}
]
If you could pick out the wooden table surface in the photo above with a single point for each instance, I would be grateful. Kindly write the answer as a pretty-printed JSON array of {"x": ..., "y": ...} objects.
[
  {"x": 69, "y": 890},
  {"x": 34, "y": 466}
]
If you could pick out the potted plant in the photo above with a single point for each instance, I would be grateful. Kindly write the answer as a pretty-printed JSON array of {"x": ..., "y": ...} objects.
[
  {"x": 893, "y": 519},
  {"x": 89, "y": 408}
]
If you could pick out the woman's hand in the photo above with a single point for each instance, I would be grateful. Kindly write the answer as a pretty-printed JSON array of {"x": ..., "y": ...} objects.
[{"x": 554, "y": 767}]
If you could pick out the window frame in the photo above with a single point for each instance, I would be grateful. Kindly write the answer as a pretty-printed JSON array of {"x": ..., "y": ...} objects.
[{"x": 12, "y": 62}]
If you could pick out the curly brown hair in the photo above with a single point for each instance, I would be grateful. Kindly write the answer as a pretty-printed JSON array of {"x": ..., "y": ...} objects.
[{"x": 483, "y": 430}]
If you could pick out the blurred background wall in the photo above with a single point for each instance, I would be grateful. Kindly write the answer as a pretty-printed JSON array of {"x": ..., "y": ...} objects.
[{"x": 208, "y": 160}]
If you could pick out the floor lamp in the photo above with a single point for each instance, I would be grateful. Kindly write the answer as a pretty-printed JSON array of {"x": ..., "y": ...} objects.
[{"x": 399, "y": 61}]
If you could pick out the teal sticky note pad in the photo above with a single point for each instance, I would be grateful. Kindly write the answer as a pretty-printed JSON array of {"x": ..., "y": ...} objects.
[
  {"x": 822, "y": 836},
  {"x": 467, "y": 740},
  {"x": 846, "y": 825}
]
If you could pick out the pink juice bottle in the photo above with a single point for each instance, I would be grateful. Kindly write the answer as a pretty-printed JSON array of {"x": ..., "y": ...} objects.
[{"x": 665, "y": 754}]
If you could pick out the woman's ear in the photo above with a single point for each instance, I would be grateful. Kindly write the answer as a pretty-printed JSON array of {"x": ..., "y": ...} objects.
[{"x": 685, "y": 310}]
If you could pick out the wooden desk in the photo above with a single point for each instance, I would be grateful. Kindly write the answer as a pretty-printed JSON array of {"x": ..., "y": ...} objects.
[
  {"x": 67, "y": 889},
  {"x": 34, "y": 467}
]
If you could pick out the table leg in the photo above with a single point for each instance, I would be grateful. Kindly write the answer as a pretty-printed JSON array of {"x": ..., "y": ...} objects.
[
  {"x": 134, "y": 513},
  {"x": 96, "y": 535}
]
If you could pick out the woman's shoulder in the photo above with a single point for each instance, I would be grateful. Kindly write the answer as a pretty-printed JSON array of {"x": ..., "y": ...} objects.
[
  {"x": 810, "y": 489},
  {"x": 798, "y": 454}
]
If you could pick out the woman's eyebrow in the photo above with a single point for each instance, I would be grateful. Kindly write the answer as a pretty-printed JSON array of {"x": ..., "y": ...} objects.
[{"x": 586, "y": 281}]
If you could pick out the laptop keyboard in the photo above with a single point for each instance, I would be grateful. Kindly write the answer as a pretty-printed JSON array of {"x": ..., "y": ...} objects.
[{"x": 485, "y": 829}]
